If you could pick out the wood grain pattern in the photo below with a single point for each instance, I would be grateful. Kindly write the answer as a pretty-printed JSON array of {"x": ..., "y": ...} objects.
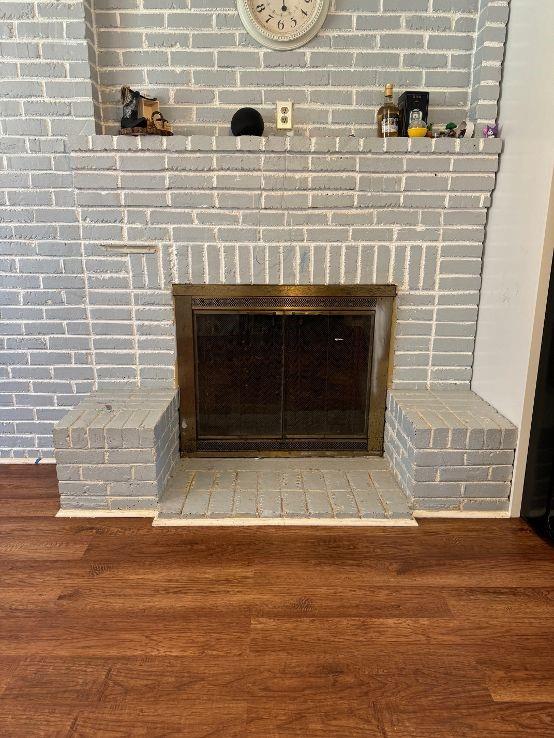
[{"x": 114, "y": 628}]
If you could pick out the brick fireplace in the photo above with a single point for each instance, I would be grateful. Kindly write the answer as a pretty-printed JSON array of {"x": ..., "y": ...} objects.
[
  {"x": 305, "y": 211},
  {"x": 96, "y": 229}
]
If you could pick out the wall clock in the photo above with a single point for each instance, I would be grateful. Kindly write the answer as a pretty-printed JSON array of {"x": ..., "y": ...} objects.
[{"x": 283, "y": 24}]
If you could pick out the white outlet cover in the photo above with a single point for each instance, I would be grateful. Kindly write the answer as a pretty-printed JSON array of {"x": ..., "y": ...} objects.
[{"x": 279, "y": 105}]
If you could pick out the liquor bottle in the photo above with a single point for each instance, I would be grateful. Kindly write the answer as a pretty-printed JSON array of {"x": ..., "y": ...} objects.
[{"x": 388, "y": 116}]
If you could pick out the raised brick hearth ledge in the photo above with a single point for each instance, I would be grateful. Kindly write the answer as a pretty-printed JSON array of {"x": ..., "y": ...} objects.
[
  {"x": 449, "y": 451},
  {"x": 116, "y": 450}
]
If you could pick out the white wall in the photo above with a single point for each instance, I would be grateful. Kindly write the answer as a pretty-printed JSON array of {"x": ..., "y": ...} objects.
[{"x": 517, "y": 252}]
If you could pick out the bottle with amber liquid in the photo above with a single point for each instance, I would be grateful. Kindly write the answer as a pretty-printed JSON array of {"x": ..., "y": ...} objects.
[{"x": 388, "y": 116}]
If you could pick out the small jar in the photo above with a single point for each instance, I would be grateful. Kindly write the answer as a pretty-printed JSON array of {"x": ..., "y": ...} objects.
[{"x": 417, "y": 127}]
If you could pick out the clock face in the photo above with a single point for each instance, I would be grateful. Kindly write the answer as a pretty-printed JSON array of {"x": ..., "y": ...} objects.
[{"x": 283, "y": 24}]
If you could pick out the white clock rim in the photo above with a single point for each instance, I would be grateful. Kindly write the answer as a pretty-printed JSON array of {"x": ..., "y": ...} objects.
[{"x": 273, "y": 41}]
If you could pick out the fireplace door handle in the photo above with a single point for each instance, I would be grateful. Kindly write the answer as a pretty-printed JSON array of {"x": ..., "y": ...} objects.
[{"x": 339, "y": 339}]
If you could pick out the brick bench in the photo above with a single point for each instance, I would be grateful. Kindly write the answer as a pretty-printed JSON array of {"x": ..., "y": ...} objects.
[
  {"x": 115, "y": 451},
  {"x": 450, "y": 450}
]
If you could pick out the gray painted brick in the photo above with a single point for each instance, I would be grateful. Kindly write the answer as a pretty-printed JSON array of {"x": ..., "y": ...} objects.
[
  {"x": 133, "y": 503},
  {"x": 434, "y": 477},
  {"x": 132, "y": 489},
  {"x": 501, "y": 473},
  {"x": 487, "y": 489},
  {"x": 360, "y": 481},
  {"x": 294, "y": 503},
  {"x": 463, "y": 474},
  {"x": 363, "y": 70},
  {"x": 67, "y": 502},
  {"x": 313, "y": 481},
  {"x": 247, "y": 480},
  {"x": 82, "y": 490},
  {"x": 245, "y": 504},
  {"x": 368, "y": 503},
  {"x": 336, "y": 480},
  {"x": 396, "y": 503},
  {"x": 318, "y": 503},
  {"x": 196, "y": 504},
  {"x": 489, "y": 457},
  {"x": 437, "y": 489},
  {"x": 221, "y": 503},
  {"x": 443, "y": 504},
  {"x": 269, "y": 503},
  {"x": 134, "y": 474},
  {"x": 344, "y": 503}
]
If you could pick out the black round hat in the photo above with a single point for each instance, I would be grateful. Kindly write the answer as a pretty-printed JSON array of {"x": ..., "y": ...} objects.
[{"x": 247, "y": 122}]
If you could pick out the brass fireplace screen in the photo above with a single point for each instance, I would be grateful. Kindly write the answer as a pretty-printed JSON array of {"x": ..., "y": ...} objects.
[{"x": 280, "y": 370}]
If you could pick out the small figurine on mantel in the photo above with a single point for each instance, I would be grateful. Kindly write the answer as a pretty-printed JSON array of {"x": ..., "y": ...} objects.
[
  {"x": 490, "y": 131},
  {"x": 141, "y": 115},
  {"x": 464, "y": 130}
]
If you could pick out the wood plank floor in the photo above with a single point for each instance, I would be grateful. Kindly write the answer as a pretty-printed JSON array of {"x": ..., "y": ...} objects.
[{"x": 114, "y": 628}]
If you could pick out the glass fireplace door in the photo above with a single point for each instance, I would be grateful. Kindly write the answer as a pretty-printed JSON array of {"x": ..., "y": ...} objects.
[
  {"x": 283, "y": 378},
  {"x": 239, "y": 375},
  {"x": 326, "y": 375}
]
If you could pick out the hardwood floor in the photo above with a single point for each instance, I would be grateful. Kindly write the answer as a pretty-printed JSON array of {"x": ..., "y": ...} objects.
[{"x": 114, "y": 628}]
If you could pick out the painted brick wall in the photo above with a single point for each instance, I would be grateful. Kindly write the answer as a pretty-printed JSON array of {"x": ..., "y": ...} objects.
[
  {"x": 196, "y": 57},
  {"x": 292, "y": 211},
  {"x": 60, "y": 310},
  {"x": 488, "y": 56},
  {"x": 45, "y": 85},
  {"x": 45, "y": 95}
]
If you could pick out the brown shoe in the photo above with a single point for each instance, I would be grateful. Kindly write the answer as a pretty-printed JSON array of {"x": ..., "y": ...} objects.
[{"x": 161, "y": 125}]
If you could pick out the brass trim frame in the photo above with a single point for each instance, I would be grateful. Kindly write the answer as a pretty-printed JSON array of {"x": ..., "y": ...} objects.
[
  {"x": 382, "y": 311},
  {"x": 284, "y": 290}
]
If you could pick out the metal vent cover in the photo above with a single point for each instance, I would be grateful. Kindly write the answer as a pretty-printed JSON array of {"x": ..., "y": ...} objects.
[
  {"x": 285, "y": 302},
  {"x": 283, "y": 445}
]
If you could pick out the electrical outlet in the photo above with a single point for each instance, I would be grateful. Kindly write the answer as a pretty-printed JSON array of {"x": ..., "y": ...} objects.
[{"x": 284, "y": 116}]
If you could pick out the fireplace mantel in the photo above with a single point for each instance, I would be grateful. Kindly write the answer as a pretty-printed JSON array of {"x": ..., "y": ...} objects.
[{"x": 279, "y": 144}]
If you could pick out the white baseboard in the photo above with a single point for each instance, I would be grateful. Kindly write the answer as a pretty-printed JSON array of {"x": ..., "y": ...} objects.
[
  {"x": 461, "y": 514},
  {"x": 290, "y": 522},
  {"x": 30, "y": 461},
  {"x": 68, "y": 513}
]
